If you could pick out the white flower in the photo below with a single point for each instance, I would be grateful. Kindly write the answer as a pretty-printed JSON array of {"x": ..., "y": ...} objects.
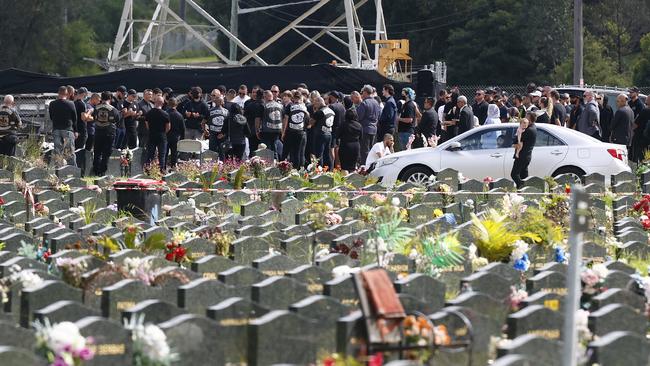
[
  {"x": 469, "y": 203},
  {"x": 394, "y": 201},
  {"x": 344, "y": 270},
  {"x": 329, "y": 206},
  {"x": 27, "y": 279},
  {"x": 582, "y": 324},
  {"x": 65, "y": 334},
  {"x": 153, "y": 342},
  {"x": 520, "y": 248},
  {"x": 413, "y": 254},
  {"x": 191, "y": 202},
  {"x": 461, "y": 177},
  {"x": 643, "y": 217},
  {"x": 322, "y": 253},
  {"x": 600, "y": 270},
  {"x": 472, "y": 251}
]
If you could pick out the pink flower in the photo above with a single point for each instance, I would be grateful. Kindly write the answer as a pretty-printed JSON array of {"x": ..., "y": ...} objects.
[
  {"x": 589, "y": 278},
  {"x": 488, "y": 180},
  {"x": 85, "y": 354}
]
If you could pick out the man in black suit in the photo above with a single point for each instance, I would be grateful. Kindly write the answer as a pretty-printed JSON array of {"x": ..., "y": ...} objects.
[
  {"x": 466, "y": 115},
  {"x": 621, "y": 127},
  {"x": 480, "y": 106}
]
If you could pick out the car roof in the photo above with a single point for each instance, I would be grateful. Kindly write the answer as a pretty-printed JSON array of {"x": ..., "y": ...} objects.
[{"x": 566, "y": 134}]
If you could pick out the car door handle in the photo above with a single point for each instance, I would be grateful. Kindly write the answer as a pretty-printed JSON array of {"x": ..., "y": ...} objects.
[
  {"x": 557, "y": 152},
  {"x": 497, "y": 155}
]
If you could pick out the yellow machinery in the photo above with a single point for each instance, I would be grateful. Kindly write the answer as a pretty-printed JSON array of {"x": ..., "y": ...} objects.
[{"x": 394, "y": 60}]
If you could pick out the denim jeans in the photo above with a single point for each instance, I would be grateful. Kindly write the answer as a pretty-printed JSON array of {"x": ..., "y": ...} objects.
[
  {"x": 403, "y": 139},
  {"x": 64, "y": 145},
  {"x": 322, "y": 150}
]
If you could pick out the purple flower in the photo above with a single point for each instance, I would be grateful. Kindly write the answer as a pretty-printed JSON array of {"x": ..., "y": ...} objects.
[
  {"x": 85, "y": 354},
  {"x": 58, "y": 361}
]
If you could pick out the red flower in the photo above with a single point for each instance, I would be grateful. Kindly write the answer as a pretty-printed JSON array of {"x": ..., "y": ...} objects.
[
  {"x": 646, "y": 224},
  {"x": 488, "y": 180},
  {"x": 329, "y": 362},
  {"x": 170, "y": 256},
  {"x": 179, "y": 253},
  {"x": 46, "y": 255},
  {"x": 131, "y": 229},
  {"x": 2, "y": 201},
  {"x": 170, "y": 246},
  {"x": 567, "y": 189},
  {"x": 376, "y": 360}
]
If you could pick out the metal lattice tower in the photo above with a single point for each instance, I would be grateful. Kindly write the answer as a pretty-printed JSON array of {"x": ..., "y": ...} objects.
[{"x": 135, "y": 48}]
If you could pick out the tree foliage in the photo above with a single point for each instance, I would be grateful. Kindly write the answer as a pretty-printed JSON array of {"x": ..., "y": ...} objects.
[{"x": 642, "y": 65}]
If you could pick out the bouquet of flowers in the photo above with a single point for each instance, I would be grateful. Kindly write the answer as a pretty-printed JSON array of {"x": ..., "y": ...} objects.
[
  {"x": 139, "y": 268},
  {"x": 175, "y": 252},
  {"x": 62, "y": 344},
  {"x": 350, "y": 250},
  {"x": 150, "y": 345},
  {"x": 257, "y": 166},
  {"x": 285, "y": 167},
  {"x": 72, "y": 270},
  {"x": 519, "y": 256},
  {"x": 25, "y": 278},
  {"x": 126, "y": 156}
]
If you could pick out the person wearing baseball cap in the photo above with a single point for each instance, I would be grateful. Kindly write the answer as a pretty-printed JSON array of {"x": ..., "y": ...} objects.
[
  {"x": 83, "y": 117},
  {"x": 634, "y": 102},
  {"x": 130, "y": 120}
]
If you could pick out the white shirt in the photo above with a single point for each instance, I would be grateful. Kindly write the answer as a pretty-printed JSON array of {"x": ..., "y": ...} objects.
[
  {"x": 239, "y": 100},
  {"x": 441, "y": 113},
  {"x": 378, "y": 151}
]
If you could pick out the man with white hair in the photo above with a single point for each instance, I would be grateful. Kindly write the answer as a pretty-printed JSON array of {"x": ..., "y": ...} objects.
[
  {"x": 465, "y": 115},
  {"x": 621, "y": 128},
  {"x": 9, "y": 124}
]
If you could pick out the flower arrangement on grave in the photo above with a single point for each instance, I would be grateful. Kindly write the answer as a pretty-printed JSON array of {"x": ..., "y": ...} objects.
[
  {"x": 593, "y": 283},
  {"x": 534, "y": 220},
  {"x": 139, "y": 268},
  {"x": 152, "y": 170},
  {"x": 519, "y": 256},
  {"x": 477, "y": 262},
  {"x": 388, "y": 234},
  {"x": 496, "y": 238},
  {"x": 62, "y": 344},
  {"x": 257, "y": 166},
  {"x": 351, "y": 250},
  {"x": 62, "y": 188},
  {"x": 418, "y": 330},
  {"x": 2, "y": 208},
  {"x": 71, "y": 270},
  {"x": 445, "y": 191},
  {"x": 150, "y": 346},
  {"x": 556, "y": 209},
  {"x": 174, "y": 250},
  {"x": 516, "y": 297},
  {"x": 219, "y": 238},
  {"x": 365, "y": 213},
  {"x": 41, "y": 210},
  {"x": 126, "y": 157},
  {"x": 17, "y": 275},
  {"x": 434, "y": 253},
  {"x": 642, "y": 208},
  {"x": 322, "y": 215},
  {"x": 285, "y": 167}
]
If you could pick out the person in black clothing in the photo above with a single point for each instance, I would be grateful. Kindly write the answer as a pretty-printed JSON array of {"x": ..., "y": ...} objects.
[
  {"x": 237, "y": 131},
  {"x": 480, "y": 106},
  {"x": 519, "y": 170},
  {"x": 196, "y": 113},
  {"x": 144, "y": 106},
  {"x": 428, "y": 124},
  {"x": 118, "y": 102},
  {"x": 82, "y": 130},
  {"x": 407, "y": 119},
  {"x": 451, "y": 113},
  {"x": 322, "y": 121},
  {"x": 349, "y": 148},
  {"x": 294, "y": 136},
  {"x": 130, "y": 113},
  {"x": 105, "y": 117},
  {"x": 542, "y": 113},
  {"x": 335, "y": 105},
  {"x": 576, "y": 111},
  {"x": 269, "y": 126},
  {"x": 10, "y": 124},
  {"x": 158, "y": 125},
  {"x": 215, "y": 125},
  {"x": 176, "y": 131},
  {"x": 389, "y": 114},
  {"x": 465, "y": 121},
  {"x": 559, "y": 112},
  {"x": 606, "y": 116},
  {"x": 621, "y": 128},
  {"x": 253, "y": 109},
  {"x": 94, "y": 100},
  {"x": 635, "y": 103},
  {"x": 64, "y": 125}
]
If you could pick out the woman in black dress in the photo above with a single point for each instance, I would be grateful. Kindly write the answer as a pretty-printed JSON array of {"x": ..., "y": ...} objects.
[
  {"x": 349, "y": 134},
  {"x": 524, "y": 150}
]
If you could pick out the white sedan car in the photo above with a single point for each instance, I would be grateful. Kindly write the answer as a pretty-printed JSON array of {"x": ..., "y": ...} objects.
[{"x": 487, "y": 152}]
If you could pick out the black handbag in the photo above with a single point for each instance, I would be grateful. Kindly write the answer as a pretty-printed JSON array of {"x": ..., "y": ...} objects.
[{"x": 226, "y": 145}]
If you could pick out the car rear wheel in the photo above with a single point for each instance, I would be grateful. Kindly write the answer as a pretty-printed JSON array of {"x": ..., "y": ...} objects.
[
  {"x": 418, "y": 175},
  {"x": 577, "y": 173}
]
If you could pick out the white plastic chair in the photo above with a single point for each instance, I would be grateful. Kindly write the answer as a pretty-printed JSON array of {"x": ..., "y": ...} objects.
[{"x": 192, "y": 147}]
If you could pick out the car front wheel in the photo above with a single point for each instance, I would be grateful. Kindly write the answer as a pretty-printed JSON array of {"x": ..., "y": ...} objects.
[{"x": 418, "y": 175}]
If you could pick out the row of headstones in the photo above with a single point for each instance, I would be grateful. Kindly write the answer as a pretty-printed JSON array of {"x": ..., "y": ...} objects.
[{"x": 547, "y": 282}]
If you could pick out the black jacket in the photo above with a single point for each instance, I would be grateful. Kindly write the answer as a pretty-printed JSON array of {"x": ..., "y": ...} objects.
[
  {"x": 466, "y": 119},
  {"x": 621, "y": 128},
  {"x": 428, "y": 123}
]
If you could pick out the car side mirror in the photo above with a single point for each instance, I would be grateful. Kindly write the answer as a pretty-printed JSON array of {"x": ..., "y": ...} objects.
[{"x": 454, "y": 146}]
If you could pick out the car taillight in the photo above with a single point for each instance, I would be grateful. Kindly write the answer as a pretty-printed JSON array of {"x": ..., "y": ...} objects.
[{"x": 616, "y": 153}]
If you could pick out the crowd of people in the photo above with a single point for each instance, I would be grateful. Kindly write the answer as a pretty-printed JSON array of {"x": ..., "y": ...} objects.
[{"x": 301, "y": 126}]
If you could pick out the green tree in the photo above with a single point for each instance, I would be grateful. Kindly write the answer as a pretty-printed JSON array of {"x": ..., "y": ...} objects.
[
  {"x": 78, "y": 42},
  {"x": 641, "y": 69},
  {"x": 599, "y": 68}
]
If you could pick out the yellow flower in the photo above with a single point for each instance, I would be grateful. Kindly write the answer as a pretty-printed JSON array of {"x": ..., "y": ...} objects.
[{"x": 437, "y": 213}]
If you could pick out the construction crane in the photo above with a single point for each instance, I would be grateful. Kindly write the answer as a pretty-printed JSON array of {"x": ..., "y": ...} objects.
[{"x": 394, "y": 61}]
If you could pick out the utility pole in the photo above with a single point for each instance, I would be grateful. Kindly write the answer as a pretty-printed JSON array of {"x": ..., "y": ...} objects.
[
  {"x": 579, "y": 225},
  {"x": 578, "y": 78},
  {"x": 234, "y": 24}
]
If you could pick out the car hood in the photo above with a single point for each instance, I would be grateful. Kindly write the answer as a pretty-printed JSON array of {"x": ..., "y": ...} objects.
[{"x": 410, "y": 153}]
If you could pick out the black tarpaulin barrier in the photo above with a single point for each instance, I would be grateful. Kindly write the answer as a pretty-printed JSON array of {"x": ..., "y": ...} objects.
[{"x": 317, "y": 77}]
